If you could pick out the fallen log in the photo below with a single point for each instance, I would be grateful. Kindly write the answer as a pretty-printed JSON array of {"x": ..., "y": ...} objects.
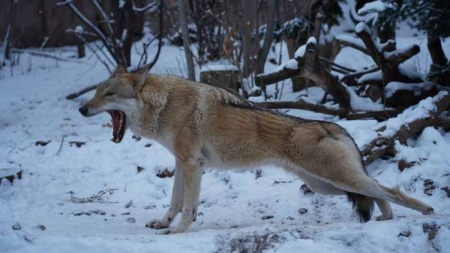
[{"x": 417, "y": 118}]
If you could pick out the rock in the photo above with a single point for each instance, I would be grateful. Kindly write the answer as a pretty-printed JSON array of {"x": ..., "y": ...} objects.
[
  {"x": 429, "y": 187},
  {"x": 149, "y": 207},
  {"x": 41, "y": 143},
  {"x": 148, "y": 145},
  {"x": 431, "y": 229},
  {"x": 129, "y": 204},
  {"x": 402, "y": 164},
  {"x": 78, "y": 144},
  {"x": 127, "y": 213},
  {"x": 89, "y": 213},
  {"x": 302, "y": 211},
  {"x": 139, "y": 169},
  {"x": 305, "y": 189},
  {"x": 446, "y": 190},
  {"x": 41, "y": 227},
  {"x": 10, "y": 175},
  {"x": 404, "y": 234},
  {"x": 267, "y": 217},
  {"x": 165, "y": 173},
  {"x": 16, "y": 226}
]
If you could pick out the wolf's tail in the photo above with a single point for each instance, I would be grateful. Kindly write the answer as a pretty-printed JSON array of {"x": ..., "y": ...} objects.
[{"x": 363, "y": 205}]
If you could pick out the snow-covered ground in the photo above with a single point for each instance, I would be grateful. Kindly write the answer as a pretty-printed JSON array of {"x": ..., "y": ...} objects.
[{"x": 238, "y": 210}]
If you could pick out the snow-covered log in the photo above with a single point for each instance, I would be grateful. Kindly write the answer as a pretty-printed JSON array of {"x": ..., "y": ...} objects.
[{"x": 407, "y": 124}]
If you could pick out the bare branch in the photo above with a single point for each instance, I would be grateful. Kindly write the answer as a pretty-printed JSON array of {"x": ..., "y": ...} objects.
[
  {"x": 351, "y": 79},
  {"x": 395, "y": 58},
  {"x": 352, "y": 42},
  {"x": 81, "y": 92},
  {"x": 151, "y": 7},
  {"x": 91, "y": 26},
  {"x": 45, "y": 55},
  {"x": 104, "y": 16},
  {"x": 336, "y": 65}
]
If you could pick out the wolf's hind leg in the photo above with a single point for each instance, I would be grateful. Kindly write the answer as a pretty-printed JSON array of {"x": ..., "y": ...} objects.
[
  {"x": 176, "y": 203},
  {"x": 317, "y": 185},
  {"x": 364, "y": 185}
]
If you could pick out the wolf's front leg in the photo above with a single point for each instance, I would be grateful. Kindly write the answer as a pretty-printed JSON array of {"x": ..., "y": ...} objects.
[
  {"x": 176, "y": 203},
  {"x": 192, "y": 172}
]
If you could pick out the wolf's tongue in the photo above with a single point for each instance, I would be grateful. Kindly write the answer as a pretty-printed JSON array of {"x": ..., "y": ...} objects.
[{"x": 117, "y": 122}]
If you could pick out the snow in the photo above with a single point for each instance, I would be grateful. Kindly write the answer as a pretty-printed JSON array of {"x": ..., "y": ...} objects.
[
  {"x": 79, "y": 29},
  {"x": 392, "y": 87},
  {"x": 420, "y": 111},
  {"x": 300, "y": 52},
  {"x": 375, "y": 6},
  {"x": 363, "y": 104},
  {"x": 311, "y": 40},
  {"x": 371, "y": 10},
  {"x": 351, "y": 40},
  {"x": 33, "y": 107},
  {"x": 360, "y": 27},
  {"x": 290, "y": 64},
  {"x": 374, "y": 76}
]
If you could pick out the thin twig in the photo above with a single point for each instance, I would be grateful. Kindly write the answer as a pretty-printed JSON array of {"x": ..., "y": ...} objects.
[
  {"x": 60, "y": 146},
  {"x": 81, "y": 92}
]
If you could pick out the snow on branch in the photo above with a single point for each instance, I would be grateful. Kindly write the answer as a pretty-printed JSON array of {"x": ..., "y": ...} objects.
[
  {"x": 373, "y": 9},
  {"x": 352, "y": 42},
  {"x": 375, "y": 6}
]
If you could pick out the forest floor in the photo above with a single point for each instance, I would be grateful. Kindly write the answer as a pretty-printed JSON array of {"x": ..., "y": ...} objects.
[{"x": 238, "y": 210}]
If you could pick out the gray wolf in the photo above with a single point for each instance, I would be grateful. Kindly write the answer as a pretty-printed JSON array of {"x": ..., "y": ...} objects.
[{"x": 204, "y": 126}]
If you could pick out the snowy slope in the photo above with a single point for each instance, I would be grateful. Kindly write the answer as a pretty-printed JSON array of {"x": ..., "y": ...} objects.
[{"x": 233, "y": 203}]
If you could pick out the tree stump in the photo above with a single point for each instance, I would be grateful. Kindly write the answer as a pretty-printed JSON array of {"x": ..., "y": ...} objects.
[{"x": 226, "y": 77}]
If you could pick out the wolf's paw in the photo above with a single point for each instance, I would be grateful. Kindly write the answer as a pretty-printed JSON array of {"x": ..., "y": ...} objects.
[
  {"x": 157, "y": 224},
  {"x": 171, "y": 231},
  {"x": 382, "y": 218},
  {"x": 429, "y": 211}
]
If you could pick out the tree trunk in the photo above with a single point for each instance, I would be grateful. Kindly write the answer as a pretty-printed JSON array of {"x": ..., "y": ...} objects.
[
  {"x": 186, "y": 42},
  {"x": 80, "y": 48},
  {"x": 12, "y": 21},
  {"x": 249, "y": 13},
  {"x": 129, "y": 32},
  {"x": 268, "y": 38},
  {"x": 439, "y": 72}
]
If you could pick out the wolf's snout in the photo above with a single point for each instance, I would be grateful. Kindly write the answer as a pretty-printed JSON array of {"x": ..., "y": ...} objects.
[{"x": 84, "y": 110}]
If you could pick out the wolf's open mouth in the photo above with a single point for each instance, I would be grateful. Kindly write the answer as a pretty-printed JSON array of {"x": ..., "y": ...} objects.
[{"x": 118, "y": 120}]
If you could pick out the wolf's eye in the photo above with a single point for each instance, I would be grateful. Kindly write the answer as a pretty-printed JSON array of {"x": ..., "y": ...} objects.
[{"x": 109, "y": 94}]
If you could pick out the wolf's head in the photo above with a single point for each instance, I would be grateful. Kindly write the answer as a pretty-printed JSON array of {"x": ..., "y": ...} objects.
[{"x": 119, "y": 96}]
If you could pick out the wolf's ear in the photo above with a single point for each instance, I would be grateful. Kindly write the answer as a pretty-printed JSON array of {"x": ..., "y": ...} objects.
[
  {"x": 120, "y": 69},
  {"x": 140, "y": 75}
]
